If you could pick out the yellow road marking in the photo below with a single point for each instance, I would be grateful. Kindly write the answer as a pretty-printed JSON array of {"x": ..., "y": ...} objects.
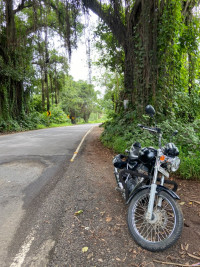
[{"x": 79, "y": 146}]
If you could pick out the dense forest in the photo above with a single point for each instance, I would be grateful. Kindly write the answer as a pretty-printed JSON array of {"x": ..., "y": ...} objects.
[
  {"x": 34, "y": 76},
  {"x": 149, "y": 49}
]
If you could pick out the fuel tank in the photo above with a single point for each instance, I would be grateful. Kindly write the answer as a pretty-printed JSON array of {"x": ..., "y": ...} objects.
[{"x": 147, "y": 155}]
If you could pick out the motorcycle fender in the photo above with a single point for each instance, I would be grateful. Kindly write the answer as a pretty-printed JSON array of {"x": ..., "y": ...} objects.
[
  {"x": 167, "y": 190},
  {"x": 158, "y": 189}
]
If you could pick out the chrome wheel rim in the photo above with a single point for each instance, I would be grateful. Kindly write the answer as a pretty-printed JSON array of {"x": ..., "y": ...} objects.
[{"x": 162, "y": 224}]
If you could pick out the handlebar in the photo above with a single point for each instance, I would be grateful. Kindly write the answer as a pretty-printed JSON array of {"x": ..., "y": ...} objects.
[{"x": 150, "y": 129}]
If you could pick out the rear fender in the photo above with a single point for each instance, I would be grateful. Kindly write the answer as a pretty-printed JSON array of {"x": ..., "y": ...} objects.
[{"x": 158, "y": 190}]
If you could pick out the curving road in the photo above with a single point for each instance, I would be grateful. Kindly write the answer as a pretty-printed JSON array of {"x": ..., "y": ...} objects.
[{"x": 31, "y": 166}]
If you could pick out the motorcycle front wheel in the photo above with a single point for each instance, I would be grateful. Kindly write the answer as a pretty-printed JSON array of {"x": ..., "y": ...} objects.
[{"x": 165, "y": 227}]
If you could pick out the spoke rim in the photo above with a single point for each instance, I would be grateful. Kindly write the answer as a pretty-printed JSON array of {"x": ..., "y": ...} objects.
[{"x": 161, "y": 227}]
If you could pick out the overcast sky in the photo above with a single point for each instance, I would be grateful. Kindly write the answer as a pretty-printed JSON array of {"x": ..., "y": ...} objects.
[{"x": 79, "y": 65}]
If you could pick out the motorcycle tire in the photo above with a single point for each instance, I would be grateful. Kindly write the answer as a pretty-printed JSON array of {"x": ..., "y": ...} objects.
[{"x": 163, "y": 230}]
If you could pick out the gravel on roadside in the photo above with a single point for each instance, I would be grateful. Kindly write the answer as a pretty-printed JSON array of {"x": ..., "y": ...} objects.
[{"x": 94, "y": 230}]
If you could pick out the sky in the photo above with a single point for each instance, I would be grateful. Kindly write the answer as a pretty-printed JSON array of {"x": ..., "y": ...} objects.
[{"x": 79, "y": 65}]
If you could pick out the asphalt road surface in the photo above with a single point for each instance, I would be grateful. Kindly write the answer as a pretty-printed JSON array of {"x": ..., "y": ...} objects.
[{"x": 31, "y": 165}]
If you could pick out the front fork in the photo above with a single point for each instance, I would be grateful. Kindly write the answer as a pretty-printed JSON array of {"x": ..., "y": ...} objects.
[
  {"x": 149, "y": 214},
  {"x": 119, "y": 184}
]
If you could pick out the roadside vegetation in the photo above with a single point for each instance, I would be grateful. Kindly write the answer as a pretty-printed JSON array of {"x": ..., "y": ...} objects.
[
  {"x": 165, "y": 74},
  {"x": 121, "y": 131},
  {"x": 77, "y": 104},
  {"x": 36, "y": 90},
  {"x": 148, "y": 49}
]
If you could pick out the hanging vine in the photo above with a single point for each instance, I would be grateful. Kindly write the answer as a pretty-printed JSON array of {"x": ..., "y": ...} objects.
[{"x": 19, "y": 31}]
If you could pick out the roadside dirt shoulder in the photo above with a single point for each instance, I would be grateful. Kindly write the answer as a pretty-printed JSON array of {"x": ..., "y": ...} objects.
[{"x": 94, "y": 229}]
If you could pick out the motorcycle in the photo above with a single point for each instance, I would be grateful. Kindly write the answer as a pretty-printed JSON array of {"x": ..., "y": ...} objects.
[{"x": 155, "y": 219}]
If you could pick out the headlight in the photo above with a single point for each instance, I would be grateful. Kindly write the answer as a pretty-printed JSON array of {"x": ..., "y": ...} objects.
[{"x": 174, "y": 163}]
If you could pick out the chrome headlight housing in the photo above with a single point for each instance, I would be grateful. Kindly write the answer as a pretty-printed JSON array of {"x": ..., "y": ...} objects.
[{"x": 173, "y": 164}]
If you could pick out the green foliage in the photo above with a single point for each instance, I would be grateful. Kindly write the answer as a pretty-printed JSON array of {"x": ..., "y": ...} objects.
[
  {"x": 58, "y": 116},
  {"x": 27, "y": 65},
  {"x": 79, "y": 99},
  {"x": 97, "y": 117},
  {"x": 111, "y": 54},
  {"x": 178, "y": 55},
  {"x": 122, "y": 131},
  {"x": 165, "y": 60},
  {"x": 9, "y": 125},
  {"x": 36, "y": 103},
  {"x": 190, "y": 165},
  {"x": 152, "y": 57}
]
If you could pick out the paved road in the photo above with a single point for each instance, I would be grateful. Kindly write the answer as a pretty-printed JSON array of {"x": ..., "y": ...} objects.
[{"x": 31, "y": 166}]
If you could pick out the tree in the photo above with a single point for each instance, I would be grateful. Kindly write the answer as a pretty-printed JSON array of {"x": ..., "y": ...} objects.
[
  {"x": 146, "y": 31},
  {"x": 13, "y": 65},
  {"x": 150, "y": 40},
  {"x": 79, "y": 99},
  {"x": 19, "y": 31}
]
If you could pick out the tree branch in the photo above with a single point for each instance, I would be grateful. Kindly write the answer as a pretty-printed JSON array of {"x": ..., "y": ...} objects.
[
  {"x": 187, "y": 8},
  {"x": 22, "y": 6},
  {"x": 113, "y": 22},
  {"x": 40, "y": 25},
  {"x": 135, "y": 10}
]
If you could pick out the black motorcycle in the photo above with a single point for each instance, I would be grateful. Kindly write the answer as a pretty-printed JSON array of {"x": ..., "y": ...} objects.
[{"x": 155, "y": 218}]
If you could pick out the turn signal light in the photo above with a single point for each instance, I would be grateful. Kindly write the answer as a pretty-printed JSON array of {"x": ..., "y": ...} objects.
[{"x": 162, "y": 158}]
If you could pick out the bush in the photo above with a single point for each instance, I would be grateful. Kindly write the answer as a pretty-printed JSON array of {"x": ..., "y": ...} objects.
[
  {"x": 190, "y": 165},
  {"x": 58, "y": 115},
  {"x": 9, "y": 126},
  {"x": 122, "y": 131},
  {"x": 35, "y": 120}
]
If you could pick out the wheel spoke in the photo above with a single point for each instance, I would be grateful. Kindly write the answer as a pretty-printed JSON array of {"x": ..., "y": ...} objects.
[
  {"x": 142, "y": 208},
  {"x": 139, "y": 214},
  {"x": 139, "y": 220},
  {"x": 140, "y": 225},
  {"x": 162, "y": 225},
  {"x": 166, "y": 231},
  {"x": 148, "y": 231}
]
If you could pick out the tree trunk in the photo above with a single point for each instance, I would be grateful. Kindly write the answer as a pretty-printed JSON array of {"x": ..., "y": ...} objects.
[
  {"x": 18, "y": 109},
  {"x": 56, "y": 87},
  {"x": 4, "y": 102},
  {"x": 86, "y": 116},
  {"x": 10, "y": 23},
  {"x": 47, "y": 89},
  {"x": 138, "y": 37},
  {"x": 129, "y": 88},
  {"x": 51, "y": 85},
  {"x": 142, "y": 53},
  {"x": 46, "y": 68},
  {"x": 43, "y": 90},
  {"x": 14, "y": 87}
]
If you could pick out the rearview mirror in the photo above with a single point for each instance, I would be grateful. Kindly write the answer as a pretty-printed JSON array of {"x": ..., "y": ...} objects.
[
  {"x": 175, "y": 133},
  {"x": 150, "y": 110}
]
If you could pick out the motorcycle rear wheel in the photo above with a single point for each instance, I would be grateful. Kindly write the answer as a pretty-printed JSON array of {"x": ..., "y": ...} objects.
[{"x": 165, "y": 228}]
